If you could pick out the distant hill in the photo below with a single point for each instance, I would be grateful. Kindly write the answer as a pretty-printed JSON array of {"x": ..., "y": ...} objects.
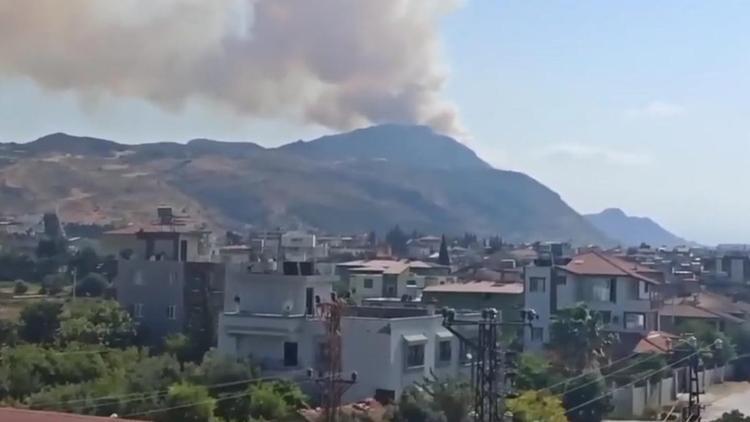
[
  {"x": 632, "y": 231},
  {"x": 371, "y": 178}
]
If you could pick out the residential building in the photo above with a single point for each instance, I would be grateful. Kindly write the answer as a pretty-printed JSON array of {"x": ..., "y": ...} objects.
[
  {"x": 167, "y": 281},
  {"x": 423, "y": 247},
  {"x": 170, "y": 237},
  {"x": 710, "y": 308},
  {"x": 477, "y": 295},
  {"x": 625, "y": 293},
  {"x": 275, "y": 320},
  {"x": 390, "y": 278},
  {"x": 168, "y": 297}
]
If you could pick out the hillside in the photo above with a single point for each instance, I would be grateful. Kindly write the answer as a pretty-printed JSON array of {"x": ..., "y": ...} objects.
[
  {"x": 632, "y": 231},
  {"x": 367, "y": 179}
]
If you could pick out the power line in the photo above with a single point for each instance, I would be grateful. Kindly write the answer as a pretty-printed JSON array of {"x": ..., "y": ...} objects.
[
  {"x": 631, "y": 382},
  {"x": 164, "y": 409},
  {"x": 604, "y": 376}
]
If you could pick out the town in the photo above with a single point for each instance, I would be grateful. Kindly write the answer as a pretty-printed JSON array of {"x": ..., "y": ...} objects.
[{"x": 302, "y": 325}]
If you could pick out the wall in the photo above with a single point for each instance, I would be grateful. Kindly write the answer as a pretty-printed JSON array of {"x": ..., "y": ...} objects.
[
  {"x": 161, "y": 286},
  {"x": 268, "y": 293},
  {"x": 538, "y": 301},
  {"x": 508, "y": 304}
]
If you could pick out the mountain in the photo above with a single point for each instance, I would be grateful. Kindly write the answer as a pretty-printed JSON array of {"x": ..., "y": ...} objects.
[
  {"x": 632, "y": 231},
  {"x": 372, "y": 178}
]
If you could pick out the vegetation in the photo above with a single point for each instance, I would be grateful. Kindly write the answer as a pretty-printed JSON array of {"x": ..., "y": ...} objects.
[
  {"x": 20, "y": 287},
  {"x": 733, "y": 416},
  {"x": 92, "y": 285},
  {"x": 83, "y": 357},
  {"x": 579, "y": 339},
  {"x": 533, "y": 406}
]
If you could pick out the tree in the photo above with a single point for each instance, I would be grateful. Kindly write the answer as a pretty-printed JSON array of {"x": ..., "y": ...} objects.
[
  {"x": 535, "y": 373},
  {"x": 268, "y": 402},
  {"x": 8, "y": 333},
  {"x": 396, "y": 239},
  {"x": 217, "y": 368},
  {"x": 577, "y": 337},
  {"x": 586, "y": 399},
  {"x": 92, "y": 285},
  {"x": 16, "y": 266},
  {"x": 436, "y": 399},
  {"x": 733, "y": 416},
  {"x": 534, "y": 406},
  {"x": 54, "y": 284},
  {"x": 187, "y": 403},
  {"x": 443, "y": 257},
  {"x": 102, "y": 322},
  {"x": 707, "y": 335},
  {"x": 178, "y": 345},
  {"x": 40, "y": 321},
  {"x": 85, "y": 261},
  {"x": 20, "y": 287}
]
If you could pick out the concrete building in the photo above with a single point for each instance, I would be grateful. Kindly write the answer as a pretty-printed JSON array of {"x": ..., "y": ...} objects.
[
  {"x": 390, "y": 278},
  {"x": 274, "y": 320},
  {"x": 170, "y": 237},
  {"x": 167, "y": 281},
  {"x": 477, "y": 295},
  {"x": 626, "y": 294}
]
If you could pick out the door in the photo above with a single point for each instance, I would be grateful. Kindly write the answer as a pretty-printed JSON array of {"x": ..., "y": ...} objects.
[
  {"x": 290, "y": 353},
  {"x": 183, "y": 250},
  {"x": 309, "y": 297}
]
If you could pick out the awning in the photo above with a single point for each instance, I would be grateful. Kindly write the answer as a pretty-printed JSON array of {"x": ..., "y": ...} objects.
[{"x": 415, "y": 338}]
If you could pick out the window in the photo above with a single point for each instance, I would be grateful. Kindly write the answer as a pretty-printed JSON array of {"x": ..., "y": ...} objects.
[
  {"x": 536, "y": 284},
  {"x": 414, "y": 355},
  {"x": 537, "y": 334},
  {"x": 445, "y": 350},
  {"x": 290, "y": 353},
  {"x": 138, "y": 310},
  {"x": 411, "y": 283},
  {"x": 635, "y": 321},
  {"x": 643, "y": 291},
  {"x": 138, "y": 278},
  {"x": 613, "y": 290},
  {"x": 606, "y": 316},
  {"x": 171, "y": 312},
  {"x": 368, "y": 283},
  {"x": 600, "y": 290}
]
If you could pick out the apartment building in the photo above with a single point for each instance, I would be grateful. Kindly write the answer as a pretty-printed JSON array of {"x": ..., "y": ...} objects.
[
  {"x": 275, "y": 320},
  {"x": 389, "y": 278},
  {"x": 625, "y": 293},
  {"x": 166, "y": 280}
]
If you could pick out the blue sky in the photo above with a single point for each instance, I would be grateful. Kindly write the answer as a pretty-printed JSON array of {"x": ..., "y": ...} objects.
[{"x": 640, "y": 105}]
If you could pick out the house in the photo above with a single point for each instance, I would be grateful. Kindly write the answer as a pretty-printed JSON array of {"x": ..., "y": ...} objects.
[
  {"x": 506, "y": 297},
  {"x": 275, "y": 319},
  {"x": 170, "y": 237},
  {"x": 9, "y": 414},
  {"x": 390, "y": 278},
  {"x": 423, "y": 247},
  {"x": 625, "y": 293},
  {"x": 711, "y": 308},
  {"x": 168, "y": 282},
  {"x": 657, "y": 342}
]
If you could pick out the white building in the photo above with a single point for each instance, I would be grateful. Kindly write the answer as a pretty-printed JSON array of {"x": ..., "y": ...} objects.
[{"x": 273, "y": 319}]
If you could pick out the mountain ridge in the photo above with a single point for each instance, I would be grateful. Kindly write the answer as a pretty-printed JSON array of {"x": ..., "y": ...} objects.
[
  {"x": 371, "y": 178},
  {"x": 633, "y": 230}
]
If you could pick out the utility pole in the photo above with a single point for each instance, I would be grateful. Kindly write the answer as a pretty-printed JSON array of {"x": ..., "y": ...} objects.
[
  {"x": 331, "y": 381},
  {"x": 491, "y": 383},
  {"x": 692, "y": 413}
]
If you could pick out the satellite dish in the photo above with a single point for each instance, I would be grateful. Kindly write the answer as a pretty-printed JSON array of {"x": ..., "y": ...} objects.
[{"x": 288, "y": 306}]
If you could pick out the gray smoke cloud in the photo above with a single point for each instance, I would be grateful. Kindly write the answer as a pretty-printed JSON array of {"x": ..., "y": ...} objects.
[{"x": 339, "y": 63}]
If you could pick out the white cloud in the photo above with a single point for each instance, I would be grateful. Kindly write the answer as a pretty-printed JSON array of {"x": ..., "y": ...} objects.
[
  {"x": 592, "y": 153},
  {"x": 656, "y": 109}
]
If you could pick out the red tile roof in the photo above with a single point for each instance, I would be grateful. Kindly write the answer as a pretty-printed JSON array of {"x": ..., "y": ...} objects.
[
  {"x": 596, "y": 263},
  {"x": 9, "y": 414},
  {"x": 656, "y": 342}
]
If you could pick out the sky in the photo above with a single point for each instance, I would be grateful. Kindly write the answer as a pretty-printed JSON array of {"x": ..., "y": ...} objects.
[{"x": 639, "y": 105}]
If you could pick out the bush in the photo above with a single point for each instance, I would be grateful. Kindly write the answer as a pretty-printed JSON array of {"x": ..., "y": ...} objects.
[
  {"x": 93, "y": 285},
  {"x": 54, "y": 283},
  {"x": 20, "y": 287}
]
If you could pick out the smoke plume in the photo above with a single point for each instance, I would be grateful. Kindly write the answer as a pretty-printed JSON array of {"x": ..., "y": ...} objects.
[{"x": 339, "y": 63}]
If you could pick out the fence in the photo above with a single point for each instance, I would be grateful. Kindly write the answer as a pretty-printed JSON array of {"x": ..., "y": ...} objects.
[{"x": 640, "y": 399}]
